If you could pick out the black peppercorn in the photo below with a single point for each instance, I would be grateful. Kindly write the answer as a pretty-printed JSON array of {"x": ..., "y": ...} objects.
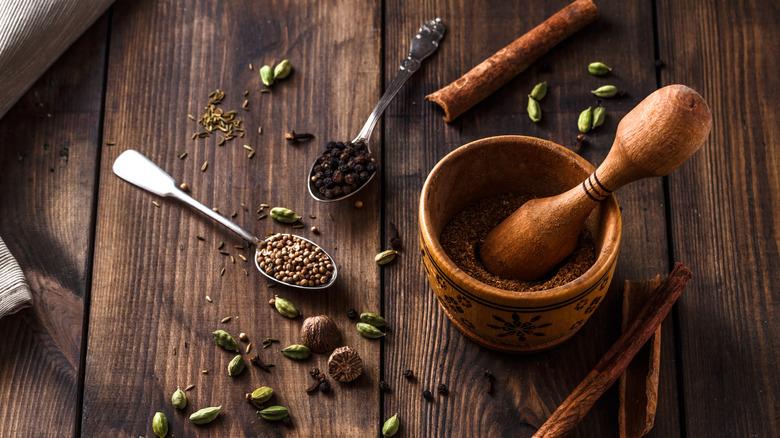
[
  {"x": 327, "y": 181},
  {"x": 336, "y": 191},
  {"x": 340, "y": 144},
  {"x": 442, "y": 389},
  {"x": 408, "y": 374},
  {"x": 352, "y": 314},
  {"x": 346, "y": 190},
  {"x": 427, "y": 395},
  {"x": 384, "y": 386},
  {"x": 287, "y": 421},
  {"x": 364, "y": 176},
  {"x": 349, "y": 178},
  {"x": 324, "y": 386},
  {"x": 330, "y": 145},
  {"x": 338, "y": 177}
]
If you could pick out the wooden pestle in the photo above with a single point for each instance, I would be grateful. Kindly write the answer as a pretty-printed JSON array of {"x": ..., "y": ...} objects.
[{"x": 653, "y": 139}]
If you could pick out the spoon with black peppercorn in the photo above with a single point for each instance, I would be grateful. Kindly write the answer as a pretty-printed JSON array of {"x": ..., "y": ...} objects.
[
  {"x": 344, "y": 168},
  {"x": 283, "y": 258}
]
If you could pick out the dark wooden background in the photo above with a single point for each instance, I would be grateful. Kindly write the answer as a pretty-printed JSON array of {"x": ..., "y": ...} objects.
[{"x": 119, "y": 284}]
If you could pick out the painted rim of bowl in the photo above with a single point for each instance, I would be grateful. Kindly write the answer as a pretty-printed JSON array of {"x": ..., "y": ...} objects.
[{"x": 592, "y": 275}]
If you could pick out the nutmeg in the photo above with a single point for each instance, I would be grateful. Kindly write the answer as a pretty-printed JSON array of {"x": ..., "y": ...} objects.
[
  {"x": 345, "y": 365},
  {"x": 320, "y": 334}
]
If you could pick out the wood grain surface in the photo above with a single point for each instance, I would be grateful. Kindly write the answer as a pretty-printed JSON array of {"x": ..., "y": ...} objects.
[
  {"x": 49, "y": 143},
  {"x": 729, "y": 226},
  {"x": 152, "y": 274},
  {"x": 145, "y": 275}
]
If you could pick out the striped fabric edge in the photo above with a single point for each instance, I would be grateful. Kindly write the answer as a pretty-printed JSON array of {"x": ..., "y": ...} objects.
[{"x": 14, "y": 293}]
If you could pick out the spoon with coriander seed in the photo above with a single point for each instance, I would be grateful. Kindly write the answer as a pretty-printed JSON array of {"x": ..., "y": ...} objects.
[
  {"x": 317, "y": 268},
  {"x": 343, "y": 168}
]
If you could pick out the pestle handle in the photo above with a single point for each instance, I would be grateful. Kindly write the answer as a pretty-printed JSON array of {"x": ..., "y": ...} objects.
[{"x": 653, "y": 139}]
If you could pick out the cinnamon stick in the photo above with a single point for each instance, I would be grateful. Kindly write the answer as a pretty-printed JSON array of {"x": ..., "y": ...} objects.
[
  {"x": 638, "y": 385},
  {"x": 617, "y": 358},
  {"x": 490, "y": 75}
]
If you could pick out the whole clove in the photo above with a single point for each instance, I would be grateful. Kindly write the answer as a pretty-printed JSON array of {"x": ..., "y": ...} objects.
[
  {"x": 255, "y": 360},
  {"x": 384, "y": 386},
  {"x": 489, "y": 381},
  {"x": 320, "y": 382},
  {"x": 292, "y": 136},
  {"x": 395, "y": 238},
  {"x": 579, "y": 143},
  {"x": 442, "y": 389}
]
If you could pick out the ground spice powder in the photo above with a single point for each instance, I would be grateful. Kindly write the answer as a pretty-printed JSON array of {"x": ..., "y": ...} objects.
[{"x": 466, "y": 231}]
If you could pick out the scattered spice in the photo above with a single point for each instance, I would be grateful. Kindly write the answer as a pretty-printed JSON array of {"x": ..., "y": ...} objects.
[
  {"x": 268, "y": 341},
  {"x": 248, "y": 348},
  {"x": 466, "y": 231},
  {"x": 156, "y": 204},
  {"x": 222, "y": 272},
  {"x": 331, "y": 217},
  {"x": 427, "y": 395},
  {"x": 243, "y": 337},
  {"x": 292, "y": 260},
  {"x": 320, "y": 382},
  {"x": 208, "y": 298},
  {"x": 184, "y": 187},
  {"x": 241, "y": 256},
  {"x": 183, "y": 156},
  {"x": 201, "y": 238},
  {"x": 341, "y": 169},
  {"x": 579, "y": 143},
  {"x": 320, "y": 334},
  {"x": 204, "y": 166},
  {"x": 384, "y": 386},
  {"x": 189, "y": 387},
  {"x": 255, "y": 360},
  {"x": 489, "y": 381},
  {"x": 244, "y": 207},
  {"x": 215, "y": 119},
  {"x": 358, "y": 204},
  {"x": 352, "y": 314},
  {"x": 292, "y": 136},
  {"x": 442, "y": 389},
  {"x": 315, "y": 230},
  {"x": 345, "y": 364},
  {"x": 110, "y": 143},
  {"x": 395, "y": 238},
  {"x": 408, "y": 374},
  {"x": 204, "y": 371}
]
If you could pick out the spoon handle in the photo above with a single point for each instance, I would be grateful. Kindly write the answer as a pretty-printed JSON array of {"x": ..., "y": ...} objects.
[
  {"x": 135, "y": 168},
  {"x": 423, "y": 45}
]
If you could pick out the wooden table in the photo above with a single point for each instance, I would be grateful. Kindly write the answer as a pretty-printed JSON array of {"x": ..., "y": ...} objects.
[{"x": 121, "y": 317}]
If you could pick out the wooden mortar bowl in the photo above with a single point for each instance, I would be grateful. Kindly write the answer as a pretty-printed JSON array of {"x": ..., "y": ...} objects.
[{"x": 502, "y": 320}]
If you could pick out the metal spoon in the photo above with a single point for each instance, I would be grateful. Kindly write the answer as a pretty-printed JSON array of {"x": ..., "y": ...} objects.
[
  {"x": 135, "y": 168},
  {"x": 423, "y": 45}
]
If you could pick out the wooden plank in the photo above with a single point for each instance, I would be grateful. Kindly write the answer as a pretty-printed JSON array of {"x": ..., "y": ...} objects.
[
  {"x": 727, "y": 228},
  {"x": 48, "y": 157},
  {"x": 526, "y": 388},
  {"x": 152, "y": 275}
]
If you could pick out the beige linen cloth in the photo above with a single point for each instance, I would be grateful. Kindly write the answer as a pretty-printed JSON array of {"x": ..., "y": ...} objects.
[{"x": 33, "y": 34}]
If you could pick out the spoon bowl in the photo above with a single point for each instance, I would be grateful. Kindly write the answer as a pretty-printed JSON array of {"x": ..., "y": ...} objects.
[
  {"x": 423, "y": 45},
  {"x": 137, "y": 169}
]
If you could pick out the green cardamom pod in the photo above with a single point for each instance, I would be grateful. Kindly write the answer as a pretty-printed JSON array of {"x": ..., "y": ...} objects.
[
  {"x": 297, "y": 352},
  {"x": 284, "y": 215},
  {"x": 286, "y": 308},
  {"x": 598, "y": 68},
  {"x": 262, "y": 394},
  {"x": 385, "y": 257},
  {"x": 205, "y": 415},
  {"x": 539, "y": 91},
  {"x": 236, "y": 366},
  {"x": 369, "y": 330},
  {"x": 585, "y": 120},
  {"x": 373, "y": 319},
  {"x": 605, "y": 91},
  {"x": 599, "y": 113},
  {"x": 267, "y": 75},
  {"x": 282, "y": 70},
  {"x": 534, "y": 110},
  {"x": 160, "y": 424},
  {"x": 273, "y": 413},
  {"x": 391, "y": 426},
  {"x": 179, "y": 399},
  {"x": 224, "y": 340}
]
